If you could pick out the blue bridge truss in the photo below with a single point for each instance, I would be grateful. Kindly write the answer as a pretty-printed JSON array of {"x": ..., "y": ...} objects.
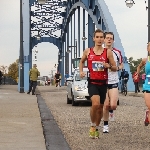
[{"x": 57, "y": 22}]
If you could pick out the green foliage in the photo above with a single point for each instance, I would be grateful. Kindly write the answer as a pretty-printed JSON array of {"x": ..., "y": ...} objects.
[
  {"x": 13, "y": 70},
  {"x": 3, "y": 69},
  {"x": 134, "y": 64}
]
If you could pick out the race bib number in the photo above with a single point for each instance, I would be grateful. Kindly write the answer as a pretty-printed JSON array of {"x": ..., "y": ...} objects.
[
  {"x": 148, "y": 77},
  {"x": 97, "y": 66}
]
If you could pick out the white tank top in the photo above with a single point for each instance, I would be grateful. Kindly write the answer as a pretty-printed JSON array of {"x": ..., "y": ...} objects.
[{"x": 113, "y": 76}]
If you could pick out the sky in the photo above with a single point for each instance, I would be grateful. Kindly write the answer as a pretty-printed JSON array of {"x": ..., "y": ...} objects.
[{"x": 131, "y": 24}]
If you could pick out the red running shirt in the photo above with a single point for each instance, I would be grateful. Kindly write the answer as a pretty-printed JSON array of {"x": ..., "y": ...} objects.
[{"x": 95, "y": 66}]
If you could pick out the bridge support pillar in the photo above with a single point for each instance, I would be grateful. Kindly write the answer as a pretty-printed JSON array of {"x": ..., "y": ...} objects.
[
  {"x": 62, "y": 64},
  {"x": 71, "y": 43},
  {"x": 91, "y": 29},
  {"x": 75, "y": 49},
  {"x": 78, "y": 31},
  {"x": 67, "y": 54},
  {"x": 26, "y": 45},
  {"x": 83, "y": 29}
]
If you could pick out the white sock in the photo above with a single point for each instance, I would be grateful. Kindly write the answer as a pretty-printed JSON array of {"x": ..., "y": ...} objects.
[{"x": 93, "y": 124}]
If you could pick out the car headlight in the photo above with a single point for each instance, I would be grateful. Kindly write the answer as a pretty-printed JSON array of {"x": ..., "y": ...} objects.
[{"x": 77, "y": 88}]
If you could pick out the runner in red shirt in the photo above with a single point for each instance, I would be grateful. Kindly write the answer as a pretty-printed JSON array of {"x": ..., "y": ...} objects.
[{"x": 98, "y": 59}]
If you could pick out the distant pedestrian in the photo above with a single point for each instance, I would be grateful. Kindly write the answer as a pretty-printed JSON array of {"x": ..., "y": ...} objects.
[
  {"x": 57, "y": 79},
  {"x": 136, "y": 82},
  {"x": 46, "y": 83},
  {"x": 33, "y": 75},
  {"x": 1, "y": 75},
  {"x": 143, "y": 78},
  {"x": 49, "y": 82},
  {"x": 60, "y": 80}
]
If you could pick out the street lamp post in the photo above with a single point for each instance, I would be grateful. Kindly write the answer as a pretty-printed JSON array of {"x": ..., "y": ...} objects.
[{"x": 21, "y": 58}]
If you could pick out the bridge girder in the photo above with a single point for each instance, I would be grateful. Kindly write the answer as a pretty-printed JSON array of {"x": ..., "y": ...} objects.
[{"x": 98, "y": 14}]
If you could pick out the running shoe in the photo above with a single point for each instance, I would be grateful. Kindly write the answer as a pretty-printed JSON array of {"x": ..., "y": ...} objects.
[
  {"x": 146, "y": 122},
  {"x": 105, "y": 129},
  {"x": 111, "y": 117},
  {"x": 96, "y": 134},
  {"x": 92, "y": 132}
]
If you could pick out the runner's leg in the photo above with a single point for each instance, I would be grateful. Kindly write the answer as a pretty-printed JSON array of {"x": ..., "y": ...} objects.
[
  {"x": 94, "y": 94},
  {"x": 106, "y": 113},
  {"x": 147, "y": 102}
]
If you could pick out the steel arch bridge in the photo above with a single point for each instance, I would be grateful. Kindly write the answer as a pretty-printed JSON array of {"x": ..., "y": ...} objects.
[{"x": 58, "y": 22}]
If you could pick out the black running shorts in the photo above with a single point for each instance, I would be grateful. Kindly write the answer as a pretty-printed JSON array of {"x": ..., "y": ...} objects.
[
  {"x": 57, "y": 80},
  {"x": 101, "y": 90},
  {"x": 146, "y": 91},
  {"x": 111, "y": 86}
]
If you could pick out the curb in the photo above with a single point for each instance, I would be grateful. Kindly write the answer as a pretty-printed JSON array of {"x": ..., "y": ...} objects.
[{"x": 54, "y": 139}]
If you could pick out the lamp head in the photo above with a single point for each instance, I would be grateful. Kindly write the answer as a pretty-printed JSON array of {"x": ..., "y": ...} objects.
[
  {"x": 68, "y": 51},
  {"x": 84, "y": 38},
  {"x": 129, "y": 3}
]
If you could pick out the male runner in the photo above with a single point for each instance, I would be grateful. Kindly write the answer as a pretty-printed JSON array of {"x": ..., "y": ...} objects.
[
  {"x": 113, "y": 79},
  {"x": 97, "y": 58},
  {"x": 57, "y": 78}
]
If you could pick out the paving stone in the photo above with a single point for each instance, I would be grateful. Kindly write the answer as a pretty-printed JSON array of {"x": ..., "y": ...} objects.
[{"x": 127, "y": 132}]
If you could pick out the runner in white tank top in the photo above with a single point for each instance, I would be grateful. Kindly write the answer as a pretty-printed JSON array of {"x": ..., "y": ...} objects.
[{"x": 113, "y": 79}]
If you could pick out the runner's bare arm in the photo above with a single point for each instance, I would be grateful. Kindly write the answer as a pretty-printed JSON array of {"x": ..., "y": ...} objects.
[
  {"x": 110, "y": 57},
  {"x": 83, "y": 59},
  {"x": 143, "y": 62},
  {"x": 120, "y": 67}
]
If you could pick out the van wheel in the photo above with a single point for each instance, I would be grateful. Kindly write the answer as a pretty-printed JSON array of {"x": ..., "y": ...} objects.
[
  {"x": 68, "y": 100},
  {"x": 73, "y": 102}
]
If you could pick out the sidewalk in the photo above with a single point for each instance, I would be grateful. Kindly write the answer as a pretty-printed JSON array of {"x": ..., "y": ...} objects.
[{"x": 20, "y": 122}]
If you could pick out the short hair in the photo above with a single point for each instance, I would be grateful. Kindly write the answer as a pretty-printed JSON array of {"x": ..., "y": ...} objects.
[
  {"x": 34, "y": 65},
  {"x": 97, "y": 31},
  {"x": 148, "y": 44},
  {"x": 111, "y": 33}
]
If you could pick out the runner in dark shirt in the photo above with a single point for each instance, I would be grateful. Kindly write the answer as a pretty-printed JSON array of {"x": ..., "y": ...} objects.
[{"x": 57, "y": 78}]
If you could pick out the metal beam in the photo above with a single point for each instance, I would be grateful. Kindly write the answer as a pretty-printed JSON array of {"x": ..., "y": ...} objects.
[
  {"x": 71, "y": 42},
  {"x": 90, "y": 31},
  {"x": 21, "y": 51},
  {"x": 75, "y": 52},
  {"x": 83, "y": 29},
  {"x": 78, "y": 31}
]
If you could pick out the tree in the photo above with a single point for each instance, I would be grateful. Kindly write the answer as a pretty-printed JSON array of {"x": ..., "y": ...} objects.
[
  {"x": 3, "y": 69},
  {"x": 134, "y": 64},
  {"x": 13, "y": 70}
]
